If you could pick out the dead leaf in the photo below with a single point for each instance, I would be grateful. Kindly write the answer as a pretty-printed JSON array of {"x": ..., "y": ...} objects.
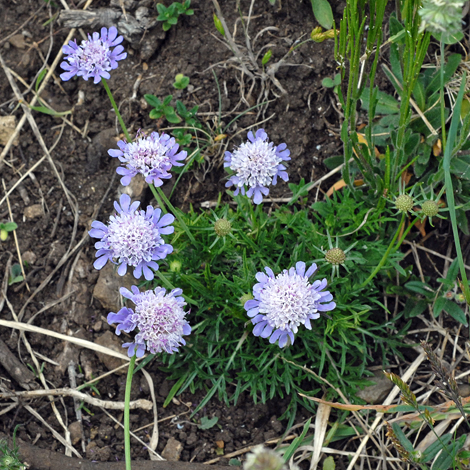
[
  {"x": 437, "y": 148},
  {"x": 220, "y": 444}
]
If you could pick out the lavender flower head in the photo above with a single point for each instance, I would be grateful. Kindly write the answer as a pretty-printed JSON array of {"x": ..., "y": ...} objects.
[
  {"x": 158, "y": 316},
  {"x": 152, "y": 156},
  {"x": 256, "y": 164},
  {"x": 281, "y": 303},
  {"x": 132, "y": 238},
  {"x": 93, "y": 58}
]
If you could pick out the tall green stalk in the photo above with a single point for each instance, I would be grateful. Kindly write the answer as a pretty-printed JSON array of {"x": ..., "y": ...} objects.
[
  {"x": 116, "y": 110},
  {"x": 127, "y": 399}
]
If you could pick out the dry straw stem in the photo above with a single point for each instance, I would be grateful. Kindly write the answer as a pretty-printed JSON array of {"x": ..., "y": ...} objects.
[{"x": 68, "y": 392}]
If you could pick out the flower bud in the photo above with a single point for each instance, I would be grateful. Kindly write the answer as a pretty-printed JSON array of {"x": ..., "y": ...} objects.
[
  {"x": 245, "y": 298},
  {"x": 175, "y": 266},
  {"x": 430, "y": 208},
  {"x": 222, "y": 227},
  {"x": 335, "y": 256},
  {"x": 404, "y": 203}
]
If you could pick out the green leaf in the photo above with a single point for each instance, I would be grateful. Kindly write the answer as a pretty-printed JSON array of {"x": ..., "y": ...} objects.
[
  {"x": 161, "y": 8},
  {"x": 419, "y": 95},
  {"x": 154, "y": 114},
  {"x": 460, "y": 166},
  {"x": 152, "y": 101},
  {"x": 50, "y": 112},
  {"x": 298, "y": 190},
  {"x": 296, "y": 442},
  {"x": 323, "y": 13},
  {"x": 447, "y": 457},
  {"x": 167, "y": 100},
  {"x": 144, "y": 362},
  {"x": 405, "y": 442},
  {"x": 207, "y": 423},
  {"x": 327, "y": 82},
  {"x": 235, "y": 462},
  {"x": 414, "y": 308},
  {"x": 450, "y": 68},
  {"x": 418, "y": 287},
  {"x": 175, "y": 389},
  {"x": 438, "y": 306},
  {"x": 333, "y": 162},
  {"x": 455, "y": 311},
  {"x": 218, "y": 25},
  {"x": 430, "y": 452},
  {"x": 266, "y": 57},
  {"x": 40, "y": 79},
  {"x": 173, "y": 118},
  {"x": 329, "y": 463},
  {"x": 189, "y": 12},
  {"x": 386, "y": 103},
  {"x": 9, "y": 226},
  {"x": 172, "y": 20},
  {"x": 166, "y": 26}
]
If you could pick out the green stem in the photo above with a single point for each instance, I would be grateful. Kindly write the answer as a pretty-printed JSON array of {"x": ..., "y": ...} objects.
[
  {"x": 157, "y": 198},
  {"x": 443, "y": 108},
  {"x": 116, "y": 110},
  {"x": 405, "y": 233},
  {"x": 385, "y": 256},
  {"x": 175, "y": 213},
  {"x": 127, "y": 399}
]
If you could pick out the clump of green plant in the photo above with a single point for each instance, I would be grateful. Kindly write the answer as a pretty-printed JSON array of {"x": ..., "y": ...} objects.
[
  {"x": 9, "y": 458},
  {"x": 5, "y": 228},
  {"x": 181, "y": 82},
  {"x": 169, "y": 15}
]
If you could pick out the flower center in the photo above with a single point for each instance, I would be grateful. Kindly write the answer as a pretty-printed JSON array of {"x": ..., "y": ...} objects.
[
  {"x": 146, "y": 155},
  {"x": 160, "y": 321},
  {"x": 94, "y": 54},
  {"x": 132, "y": 238},
  {"x": 287, "y": 300},
  {"x": 255, "y": 163}
]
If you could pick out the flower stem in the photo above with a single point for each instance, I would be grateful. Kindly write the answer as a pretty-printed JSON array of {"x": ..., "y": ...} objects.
[
  {"x": 385, "y": 256},
  {"x": 127, "y": 399},
  {"x": 157, "y": 198},
  {"x": 118, "y": 114},
  {"x": 405, "y": 233},
  {"x": 160, "y": 193}
]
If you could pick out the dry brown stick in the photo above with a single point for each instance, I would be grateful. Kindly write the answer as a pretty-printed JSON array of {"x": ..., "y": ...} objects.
[
  {"x": 19, "y": 372},
  {"x": 68, "y": 392},
  {"x": 42, "y": 459}
]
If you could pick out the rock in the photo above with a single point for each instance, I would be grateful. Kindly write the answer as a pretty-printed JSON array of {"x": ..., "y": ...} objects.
[
  {"x": 111, "y": 341},
  {"x": 276, "y": 424},
  {"x": 29, "y": 257},
  {"x": 93, "y": 452},
  {"x": 172, "y": 450},
  {"x": 18, "y": 41},
  {"x": 98, "y": 148},
  {"x": 464, "y": 390},
  {"x": 152, "y": 42},
  {"x": 377, "y": 392},
  {"x": 33, "y": 211},
  {"x": 135, "y": 188},
  {"x": 7, "y": 127},
  {"x": 107, "y": 287},
  {"x": 75, "y": 430},
  {"x": 68, "y": 354}
]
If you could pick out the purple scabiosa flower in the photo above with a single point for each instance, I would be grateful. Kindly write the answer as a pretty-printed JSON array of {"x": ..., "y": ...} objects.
[
  {"x": 132, "y": 238},
  {"x": 158, "y": 316},
  {"x": 256, "y": 164},
  {"x": 152, "y": 156},
  {"x": 281, "y": 303},
  {"x": 93, "y": 58}
]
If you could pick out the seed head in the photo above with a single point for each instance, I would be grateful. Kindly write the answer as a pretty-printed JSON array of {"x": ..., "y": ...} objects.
[
  {"x": 335, "y": 256},
  {"x": 222, "y": 227},
  {"x": 404, "y": 203},
  {"x": 263, "y": 459},
  {"x": 442, "y": 16},
  {"x": 430, "y": 208}
]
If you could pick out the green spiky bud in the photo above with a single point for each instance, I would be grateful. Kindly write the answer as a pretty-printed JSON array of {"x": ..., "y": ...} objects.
[
  {"x": 222, "y": 227},
  {"x": 175, "y": 266},
  {"x": 335, "y": 256},
  {"x": 459, "y": 298},
  {"x": 430, "y": 208},
  {"x": 245, "y": 298},
  {"x": 404, "y": 203}
]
